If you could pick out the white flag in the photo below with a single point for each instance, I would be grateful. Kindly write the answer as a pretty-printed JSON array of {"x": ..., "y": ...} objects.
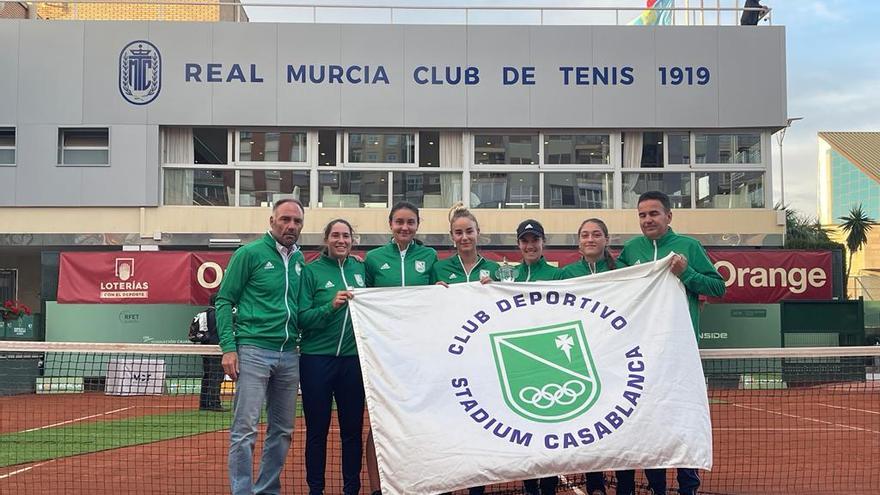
[{"x": 477, "y": 384}]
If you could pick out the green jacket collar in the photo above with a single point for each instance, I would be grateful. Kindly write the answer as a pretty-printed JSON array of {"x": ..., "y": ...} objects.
[{"x": 600, "y": 266}]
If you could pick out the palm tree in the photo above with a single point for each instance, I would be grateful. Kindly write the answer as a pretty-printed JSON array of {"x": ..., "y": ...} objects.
[{"x": 856, "y": 225}]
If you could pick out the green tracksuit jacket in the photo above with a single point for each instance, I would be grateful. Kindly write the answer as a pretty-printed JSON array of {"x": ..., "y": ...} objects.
[
  {"x": 580, "y": 268},
  {"x": 537, "y": 271},
  {"x": 451, "y": 270},
  {"x": 700, "y": 276},
  {"x": 264, "y": 289},
  {"x": 387, "y": 268},
  {"x": 326, "y": 331}
]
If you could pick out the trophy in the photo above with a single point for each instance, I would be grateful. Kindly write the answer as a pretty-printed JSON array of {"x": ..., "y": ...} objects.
[{"x": 506, "y": 272}]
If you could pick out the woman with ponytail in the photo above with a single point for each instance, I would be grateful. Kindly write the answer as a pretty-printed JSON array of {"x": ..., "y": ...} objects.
[{"x": 466, "y": 265}]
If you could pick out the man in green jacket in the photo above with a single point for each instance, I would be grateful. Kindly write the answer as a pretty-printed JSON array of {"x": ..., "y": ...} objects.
[
  {"x": 691, "y": 264},
  {"x": 259, "y": 348}
]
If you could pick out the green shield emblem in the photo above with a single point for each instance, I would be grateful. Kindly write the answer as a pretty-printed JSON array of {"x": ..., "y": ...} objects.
[{"x": 547, "y": 373}]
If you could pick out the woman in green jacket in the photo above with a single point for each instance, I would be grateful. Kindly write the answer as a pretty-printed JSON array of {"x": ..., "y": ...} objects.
[
  {"x": 595, "y": 258},
  {"x": 466, "y": 265},
  {"x": 329, "y": 366},
  {"x": 403, "y": 262}
]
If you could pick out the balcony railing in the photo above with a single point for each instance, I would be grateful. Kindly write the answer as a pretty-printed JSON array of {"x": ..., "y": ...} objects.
[{"x": 707, "y": 13}]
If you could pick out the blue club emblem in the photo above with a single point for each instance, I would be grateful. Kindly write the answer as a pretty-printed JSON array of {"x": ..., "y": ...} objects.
[{"x": 140, "y": 72}]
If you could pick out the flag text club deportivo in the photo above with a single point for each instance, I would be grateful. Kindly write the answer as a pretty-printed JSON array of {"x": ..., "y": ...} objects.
[{"x": 547, "y": 375}]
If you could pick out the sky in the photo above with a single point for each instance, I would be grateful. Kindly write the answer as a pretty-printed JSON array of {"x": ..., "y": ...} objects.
[{"x": 832, "y": 51}]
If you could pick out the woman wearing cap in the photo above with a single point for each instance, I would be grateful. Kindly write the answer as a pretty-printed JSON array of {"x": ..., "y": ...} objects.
[
  {"x": 403, "y": 262},
  {"x": 595, "y": 258},
  {"x": 329, "y": 366},
  {"x": 534, "y": 268}
]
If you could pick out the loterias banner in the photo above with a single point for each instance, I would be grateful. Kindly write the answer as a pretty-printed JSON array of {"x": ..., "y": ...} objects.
[{"x": 182, "y": 277}]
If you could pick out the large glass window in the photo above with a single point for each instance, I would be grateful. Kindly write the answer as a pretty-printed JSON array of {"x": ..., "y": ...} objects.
[
  {"x": 578, "y": 190},
  {"x": 728, "y": 148},
  {"x": 676, "y": 185},
  {"x": 210, "y": 146},
  {"x": 577, "y": 148},
  {"x": 679, "y": 148},
  {"x": 353, "y": 189},
  {"x": 199, "y": 187},
  {"x": 730, "y": 189},
  {"x": 272, "y": 146},
  {"x": 326, "y": 148},
  {"x": 265, "y": 187},
  {"x": 498, "y": 149},
  {"x": 381, "y": 148},
  {"x": 504, "y": 190},
  {"x": 652, "y": 150},
  {"x": 7, "y": 146},
  {"x": 84, "y": 146},
  {"x": 428, "y": 190}
]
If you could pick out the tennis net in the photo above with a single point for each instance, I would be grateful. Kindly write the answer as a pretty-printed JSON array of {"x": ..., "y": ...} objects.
[{"x": 136, "y": 418}]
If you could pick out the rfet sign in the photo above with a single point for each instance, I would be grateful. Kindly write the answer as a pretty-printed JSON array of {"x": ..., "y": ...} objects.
[{"x": 765, "y": 276}]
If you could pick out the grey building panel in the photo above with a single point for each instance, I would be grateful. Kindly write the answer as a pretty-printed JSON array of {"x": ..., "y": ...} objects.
[
  {"x": 9, "y": 32},
  {"x": 687, "y": 49},
  {"x": 567, "y": 105},
  {"x": 39, "y": 180},
  {"x": 151, "y": 168},
  {"x": 122, "y": 183},
  {"x": 490, "y": 103},
  {"x": 374, "y": 105},
  {"x": 751, "y": 79},
  {"x": 435, "y": 105},
  {"x": 50, "y": 72},
  {"x": 304, "y": 103},
  {"x": 253, "y": 47},
  {"x": 102, "y": 100},
  {"x": 182, "y": 103},
  {"x": 7, "y": 176},
  {"x": 626, "y": 105}
]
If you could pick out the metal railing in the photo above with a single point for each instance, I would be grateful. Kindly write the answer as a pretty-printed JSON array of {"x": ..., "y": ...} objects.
[{"x": 687, "y": 15}]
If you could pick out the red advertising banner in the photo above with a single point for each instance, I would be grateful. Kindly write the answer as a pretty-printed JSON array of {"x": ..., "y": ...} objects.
[
  {"x": 758, "y": 276},
  {"x": 769, "y": 276},
  {"x": 124, "y": 277}
]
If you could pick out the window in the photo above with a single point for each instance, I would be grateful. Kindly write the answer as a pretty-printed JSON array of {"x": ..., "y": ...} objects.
[
  {"x": 577, "y": 149},
  {"x": 504, "y": 190},
  {"x": 578, "y": 190},
  {"x": 427, "y": 190},
  {"x": 676, "y": 185},
  {"x": 728, "y": 148},
  {"x": 381, "y": 148},
  {"x": 210, "y": 146},
  {"x": 265, "y": 187},
  {"x": 730, "y": 189},
  {"x": 84, "y": 146},
  {"x": 326, "y": 148},
  {"x": 678, "y": 148},
  {"x": 496, "y": 149},
  {"x": 353, "y": 189},
  {"x": 272, "y": 146},
  {"x": 7, "y": 146},
  {"x": 429, "y": 149},
  {"x": 652, "y": 150},
  {"x": 200, "y": 187},
  {"x": 8, "y": 284}
]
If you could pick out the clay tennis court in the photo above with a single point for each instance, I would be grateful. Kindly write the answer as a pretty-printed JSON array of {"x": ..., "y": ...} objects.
[{"x": 823, "y": 439}]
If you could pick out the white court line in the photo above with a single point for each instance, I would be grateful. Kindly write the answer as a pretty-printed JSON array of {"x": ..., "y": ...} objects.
[
  {"x": 69, "y": 421},
  {"x": 806, "y": 418},
  {"x": 22, "y": 470},
  {"x": 817, "y": 428},
  {"x": 574, "y": 488},
  {"x": 851, "y": 409}
]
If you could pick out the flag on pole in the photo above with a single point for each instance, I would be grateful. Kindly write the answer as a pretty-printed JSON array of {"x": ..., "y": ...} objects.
[
  {"x": 476, "y": 384},
  {"x": 656, "y": 14}
]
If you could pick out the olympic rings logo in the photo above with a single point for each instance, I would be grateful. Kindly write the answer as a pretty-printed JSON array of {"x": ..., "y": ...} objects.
[{"x": 553, "y": 394}]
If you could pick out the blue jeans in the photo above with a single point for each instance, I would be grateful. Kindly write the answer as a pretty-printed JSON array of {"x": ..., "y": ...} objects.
[
  {"x": 271, "y": 377},
  {"x": 323, "y": 379}
]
